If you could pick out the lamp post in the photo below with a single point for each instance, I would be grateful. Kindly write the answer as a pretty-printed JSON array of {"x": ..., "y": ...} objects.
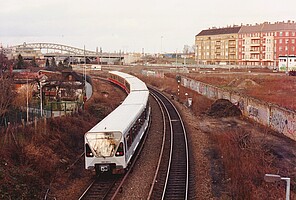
[
  {"x": 84, "y": 66},
  {"x": 274, "y": 178},
  {"x": 288, "y": 51},
  {"x": 195, "y": 53},
  {"x": 42, "y": 82},
  {"x": 27, "y": 101},
  {"x": 178, "y": 89},
  {"x": 41, "y": 98},
  {"x": 161, "y": 44},
  {"x": 176, "y": 56}
]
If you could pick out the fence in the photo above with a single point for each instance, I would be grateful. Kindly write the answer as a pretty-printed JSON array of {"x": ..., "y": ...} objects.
[
  {"x": 277, "y": 118},
  {"x": 53, "y": 109}
]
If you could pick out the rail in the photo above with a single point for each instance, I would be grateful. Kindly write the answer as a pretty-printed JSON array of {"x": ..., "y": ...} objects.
[{"x": 175, "y": 185}]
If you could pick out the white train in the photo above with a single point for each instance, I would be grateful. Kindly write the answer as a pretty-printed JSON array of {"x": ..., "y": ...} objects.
[{"x": 110, "y": 145}]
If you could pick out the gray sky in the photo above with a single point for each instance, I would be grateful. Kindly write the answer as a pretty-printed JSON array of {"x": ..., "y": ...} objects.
[{"x": 129, "y": 25}]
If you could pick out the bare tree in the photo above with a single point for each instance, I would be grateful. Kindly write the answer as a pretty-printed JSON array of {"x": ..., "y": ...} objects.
[
  {"x": 7, "y": 94},
  {"x": 4, "y": 62},
  {"x": 20, "y": 63}
]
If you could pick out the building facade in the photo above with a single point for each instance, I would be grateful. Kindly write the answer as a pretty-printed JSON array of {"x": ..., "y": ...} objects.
[
  {"x": 217, "y": 46},
  {"x": 251, "y": 45}
]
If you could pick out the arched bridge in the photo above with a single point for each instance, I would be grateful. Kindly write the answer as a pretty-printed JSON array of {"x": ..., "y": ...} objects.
[{"x": 66, "y": 50}]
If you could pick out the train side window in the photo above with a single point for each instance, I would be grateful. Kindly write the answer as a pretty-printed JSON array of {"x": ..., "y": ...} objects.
[
  {"x": 129, "y": 140},
  {"x": 128, "y": 86}
]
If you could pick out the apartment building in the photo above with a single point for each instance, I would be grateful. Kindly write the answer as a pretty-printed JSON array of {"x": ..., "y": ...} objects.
[
  {"x": 263, "y": 44},
  {"x": 256, "y": 45},
  {"x": 217, "y": 46}
]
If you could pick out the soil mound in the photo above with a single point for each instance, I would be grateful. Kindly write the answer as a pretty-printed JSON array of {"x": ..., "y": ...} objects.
[
  {"x": 243, "y": 84},
  {"x": 248, "y": 83},
  {"x": 223, "y": 108}
]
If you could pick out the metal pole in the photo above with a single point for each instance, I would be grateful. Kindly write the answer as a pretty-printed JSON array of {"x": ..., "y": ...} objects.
[
  {"x": 196, "y": 55},
  {"x": 176, "y": 58},
  {"x": 161, "y": 44},
  {"x": 287, "y": 187},
  {"x": 41, "y": 110},
  {"x": 287, "y": 68},
  {"x": 84, "y": 66},
  {"x": 178, "y": 90},
  {"x": 27, "y": 101}
]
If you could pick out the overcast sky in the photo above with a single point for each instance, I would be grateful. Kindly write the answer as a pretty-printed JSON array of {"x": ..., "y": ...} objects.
[{"x": 130, "y": 25}]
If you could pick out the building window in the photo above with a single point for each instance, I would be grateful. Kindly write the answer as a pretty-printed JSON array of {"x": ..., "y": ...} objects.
[
  {"x": 293, "y": 41},
  {"x": 281, "y": 33},
  {"x": 281, "y": 41},
  {"x": 287, "y": 33}
]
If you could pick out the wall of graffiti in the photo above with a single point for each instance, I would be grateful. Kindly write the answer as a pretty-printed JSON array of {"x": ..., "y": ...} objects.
[{"x": 278, "y": 118}]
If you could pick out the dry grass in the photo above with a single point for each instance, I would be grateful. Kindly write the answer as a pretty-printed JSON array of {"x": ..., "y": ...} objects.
[
  {"x": 246, "y": 160},
  {"x": 243, "y": 159},
  {"x": 277, "y": 89},
  {"x": 35, "y": 158}
]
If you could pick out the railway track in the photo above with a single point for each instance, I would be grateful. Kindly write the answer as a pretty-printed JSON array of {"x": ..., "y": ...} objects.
[
  {"x": 99, "y": 188},
  {"x": 171, "y": 178}
]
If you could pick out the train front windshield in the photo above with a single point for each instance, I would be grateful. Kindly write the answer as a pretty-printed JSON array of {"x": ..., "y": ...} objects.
[{"x": 103, "y": 144}]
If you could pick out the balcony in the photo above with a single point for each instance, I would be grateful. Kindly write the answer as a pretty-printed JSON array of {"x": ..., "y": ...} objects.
[
  {"x": 217, "y": 50},
  {"x": 232, "y": 44},
  {"x": 217, "y": 45},
  {"x": 254, "y": 51},
  {"x": 255, "y": 44}
]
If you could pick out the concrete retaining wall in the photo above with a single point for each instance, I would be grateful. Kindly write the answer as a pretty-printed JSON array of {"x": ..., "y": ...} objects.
[{"x": 271, "y": 115}]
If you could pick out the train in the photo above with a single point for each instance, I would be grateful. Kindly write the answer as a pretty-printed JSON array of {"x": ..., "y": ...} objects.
[{"x": 111, "y": 144}]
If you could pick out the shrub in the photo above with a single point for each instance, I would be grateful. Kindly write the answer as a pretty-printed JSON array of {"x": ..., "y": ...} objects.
[{"x": 245, "y": 161}]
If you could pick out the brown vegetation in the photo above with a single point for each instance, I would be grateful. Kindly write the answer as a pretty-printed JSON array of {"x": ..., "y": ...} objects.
[
  {"x": 274, "y": 88},
  {"x": 239, "y": 155},
  {"x": 36, "y": 157},
  {"x": 6, "y": 94},
  {"x": 245, "y": 161}
]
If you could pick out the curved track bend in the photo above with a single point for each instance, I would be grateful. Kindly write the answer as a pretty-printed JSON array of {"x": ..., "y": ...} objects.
[{"x": 171, "y": 179}]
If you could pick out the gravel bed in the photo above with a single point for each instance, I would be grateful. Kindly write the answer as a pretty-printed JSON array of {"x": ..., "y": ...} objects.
[{"x": 138, "y": 184}]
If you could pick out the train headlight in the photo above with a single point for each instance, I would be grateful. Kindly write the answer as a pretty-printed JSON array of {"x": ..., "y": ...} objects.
[{"x": 120, "y": 150}]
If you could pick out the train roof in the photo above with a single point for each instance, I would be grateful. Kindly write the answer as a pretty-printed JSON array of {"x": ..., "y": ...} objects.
[
  {"x": 120, "y": 119},
  {"x": 137, "y": 97},
  {"x": 135, "y": 83},
  {"x": 121, "y": 74}
]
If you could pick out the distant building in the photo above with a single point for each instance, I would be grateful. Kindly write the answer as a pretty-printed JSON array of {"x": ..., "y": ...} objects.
[
  {"x": 27, "y": 53},
  {"x": 254, "y": 45},
  {"x": 287, "y": 63}
]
